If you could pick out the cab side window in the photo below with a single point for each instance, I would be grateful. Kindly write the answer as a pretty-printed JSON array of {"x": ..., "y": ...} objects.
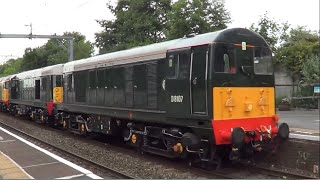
[
  {"x": 224, "y": 59},
  {"x": 179, "y": 66},
  {"x": 69, "y": 82},
  {"x": 59, "y": 81},
  {"x": 173, "y": 66}
]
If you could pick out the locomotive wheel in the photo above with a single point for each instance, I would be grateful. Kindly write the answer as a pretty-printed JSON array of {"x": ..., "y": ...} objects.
[
  {"x": 33, "y": 116},
  {"x": 83, "y": 129},
  {"x": 65, "y": 124},
  {"x": 42, "y": 118}
]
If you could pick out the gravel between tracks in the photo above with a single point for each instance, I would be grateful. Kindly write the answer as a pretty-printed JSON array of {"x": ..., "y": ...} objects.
[{"x": 132, "y": 164}]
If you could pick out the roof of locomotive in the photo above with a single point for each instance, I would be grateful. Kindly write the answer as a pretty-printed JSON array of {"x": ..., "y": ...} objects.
[
  {"x": 144, "y": 53},
  {"x": 6, "y": 78},
  {"x": 159, "y": 50},
  {"x": 49, "y": 70},
  {"x": 29, "y": 74},
  {"x": 52, "y": 70}
]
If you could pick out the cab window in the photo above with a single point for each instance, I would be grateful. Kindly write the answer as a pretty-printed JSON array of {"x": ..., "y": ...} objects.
[
  {"x": 59, "y": 81},
  {"x": 173, "y": 66},
  {"x": 262, "y": 61},
  {"x": 224, "y": 59},
  {"x": 6, "y": 85}
]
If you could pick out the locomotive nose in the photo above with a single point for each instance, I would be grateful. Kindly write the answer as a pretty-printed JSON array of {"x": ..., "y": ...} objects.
[{"x": 283, "y": 131}]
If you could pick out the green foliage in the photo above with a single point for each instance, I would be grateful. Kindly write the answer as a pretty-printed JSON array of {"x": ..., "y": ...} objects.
[
  {"x": 34, "y": 58},
  {"x": 196, "y": 16},
  {"x": 300, "y": 45},
  {"x": 311, "y": 70},
  {"x": 138, "y": 22},
  {"x": 305, "y": 91},
  {"x": 281, "y": 100},
  {"x": 305, "y": 103},
  {"x": 292, "y": 48},
  {"x": 143, "y": 22},
  {"x": 55, "y": 52},
  {"x": 10, "y": 67},
  {"x": 273, "y": 32}
]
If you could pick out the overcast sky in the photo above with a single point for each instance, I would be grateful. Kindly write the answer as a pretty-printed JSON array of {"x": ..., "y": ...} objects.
[{"x": 57, "y": 16}]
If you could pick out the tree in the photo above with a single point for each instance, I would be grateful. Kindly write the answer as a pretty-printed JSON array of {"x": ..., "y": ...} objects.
[
  {"x": 291, "y": 47},
  {"x": 10, "y": 67},
  {"x": 300, "y": 45},
  {"x": 196, "y": 16},
  {"x": 57, "y": 54},
  {"x": 311, "y": 70},
  {"x": 34, "y": 58},
  {"x": 138, "y": 22},
  {"x": 273, "y": 32},
  {"x": 54, "y": 52}
]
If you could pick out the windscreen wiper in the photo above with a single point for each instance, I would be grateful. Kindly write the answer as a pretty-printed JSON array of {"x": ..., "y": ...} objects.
[{"x": 243, "y": 68}]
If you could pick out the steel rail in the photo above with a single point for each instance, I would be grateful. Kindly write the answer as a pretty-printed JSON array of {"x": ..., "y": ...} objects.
[
  {"x": 253, "y": 172},
  {"x": 102, "y": 168},
  {"x": 229, "y": 173},
  {"x": 281, "y": 174}
]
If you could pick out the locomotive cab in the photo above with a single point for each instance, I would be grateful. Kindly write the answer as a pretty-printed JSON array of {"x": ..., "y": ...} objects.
[
  {"x": 243, "y": 93},
  {"x": 4, "y": 102},
  {"x": 221, "y": 87}
]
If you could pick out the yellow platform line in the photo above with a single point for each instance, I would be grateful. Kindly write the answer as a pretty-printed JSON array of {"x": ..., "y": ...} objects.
[{"x": 10, "y": 169}]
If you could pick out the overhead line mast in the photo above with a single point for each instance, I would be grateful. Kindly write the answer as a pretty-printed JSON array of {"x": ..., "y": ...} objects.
[{"x": 31, "y": 36}]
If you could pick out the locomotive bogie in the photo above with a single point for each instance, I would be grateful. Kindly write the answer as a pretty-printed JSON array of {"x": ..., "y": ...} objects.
[{"x": 104, "y": 125}]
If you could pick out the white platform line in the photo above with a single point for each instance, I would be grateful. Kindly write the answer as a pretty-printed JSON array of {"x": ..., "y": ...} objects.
[
  {"x": 58, "y": 158},
  {"x": 303, "y": 132},
  {"x": 7, "y": 141},
  {"x": 303, "y": 136},
  {"x": 70, "y": 177},
  {"x": 17, "y": 165},
  {"x": 42, "y": 164}
]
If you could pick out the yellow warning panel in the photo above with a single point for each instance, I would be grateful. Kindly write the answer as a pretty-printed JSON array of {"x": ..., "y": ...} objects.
[
  {"x": 5, "y": 95},
  {"x": 58, "y": 95},
  {"x": 243, "y": 102},
  {"x": 10, "y": 170}
]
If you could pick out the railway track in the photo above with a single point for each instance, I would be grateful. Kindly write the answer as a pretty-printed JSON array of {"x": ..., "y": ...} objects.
[
  {"x": 251, "y": 172},
  {"x": 275, "y": 173},
  {"x": 234, "y": 172},
  {"x": 75, "y": 158}
]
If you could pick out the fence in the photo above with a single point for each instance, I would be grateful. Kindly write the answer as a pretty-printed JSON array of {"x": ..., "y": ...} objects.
[{"x": 298, "y": 96}]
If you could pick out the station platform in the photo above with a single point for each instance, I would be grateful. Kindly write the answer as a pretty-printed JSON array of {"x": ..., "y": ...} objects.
[
  {"x": 21, "y": 159},
  {"x": 303, "y": 124},
  {"x": 306, "y": 134}
]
